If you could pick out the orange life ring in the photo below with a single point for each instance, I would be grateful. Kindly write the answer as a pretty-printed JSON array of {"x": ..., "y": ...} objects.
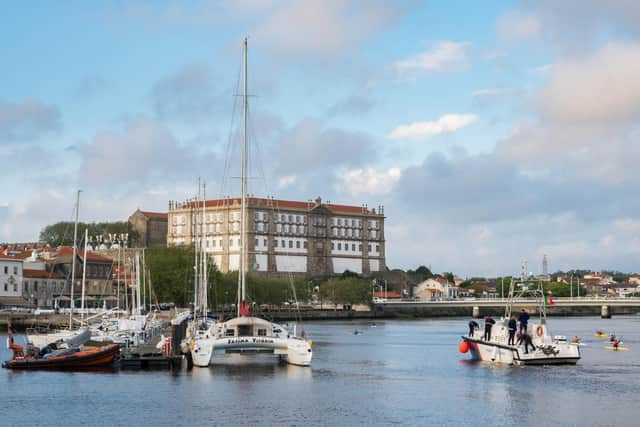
[{"x": 539, "y": 331}]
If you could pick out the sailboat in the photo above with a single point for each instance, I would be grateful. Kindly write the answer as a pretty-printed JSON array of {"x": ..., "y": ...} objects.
[
  {"x": 41, "y": 340},
  {"x": 246, "y": 333}
]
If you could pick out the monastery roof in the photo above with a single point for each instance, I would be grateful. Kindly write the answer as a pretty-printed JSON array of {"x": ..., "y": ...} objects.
[{"x": 283, "y": 204}]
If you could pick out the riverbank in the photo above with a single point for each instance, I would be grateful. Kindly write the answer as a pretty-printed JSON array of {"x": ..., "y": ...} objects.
[{"x": 22, "y": 321}]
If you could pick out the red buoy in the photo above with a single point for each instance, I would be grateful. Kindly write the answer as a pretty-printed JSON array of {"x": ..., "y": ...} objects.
[{"x": 463, "y": 347}]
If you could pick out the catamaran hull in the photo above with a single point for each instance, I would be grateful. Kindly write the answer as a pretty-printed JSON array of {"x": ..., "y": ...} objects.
[
  {"x": 294, "y": 351},
  {"x": 560, "y": 354}
]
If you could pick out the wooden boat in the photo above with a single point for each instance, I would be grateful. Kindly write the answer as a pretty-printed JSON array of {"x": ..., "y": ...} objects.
[{"x": 70, "y": 358}]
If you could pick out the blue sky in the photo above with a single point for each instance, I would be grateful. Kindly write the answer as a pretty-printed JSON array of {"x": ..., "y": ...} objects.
[{"x": 491, "y": 131}]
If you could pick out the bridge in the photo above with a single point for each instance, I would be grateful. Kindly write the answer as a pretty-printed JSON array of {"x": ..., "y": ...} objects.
[{"x": 576, "y": 306}]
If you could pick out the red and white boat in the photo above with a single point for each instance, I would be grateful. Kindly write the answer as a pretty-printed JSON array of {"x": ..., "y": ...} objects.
[{"x": 548, "y": 350}]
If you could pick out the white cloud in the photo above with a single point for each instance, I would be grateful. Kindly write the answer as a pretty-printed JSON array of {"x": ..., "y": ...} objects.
[
  {"x": 444, "y": 56},
  {"x": 369, "y": 181},
  {"x": 423, "y": 130},
  {"x": 515, "y": 27},
  {"x": 603, "y": 86},
  {"x": 322, "y": 28}
]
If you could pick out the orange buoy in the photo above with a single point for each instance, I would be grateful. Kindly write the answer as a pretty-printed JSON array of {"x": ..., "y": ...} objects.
[
  {"x": 463, "y": 347},
  {"x": 539, "y": 331}
]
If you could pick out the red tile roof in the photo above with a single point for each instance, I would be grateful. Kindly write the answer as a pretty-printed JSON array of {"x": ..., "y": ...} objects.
[
  {"x": 41, "y": 274},
  {"x": 67, "y": 250},
  {"x": 285, "y": 204}
]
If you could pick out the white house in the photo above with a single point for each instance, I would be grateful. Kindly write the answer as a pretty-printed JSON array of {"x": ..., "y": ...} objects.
[
  {"x": 10, "y": 278},
  {"x": 435, "y": 288}
]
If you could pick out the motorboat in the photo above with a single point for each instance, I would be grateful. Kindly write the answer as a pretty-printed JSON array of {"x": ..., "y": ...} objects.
[
  {"x": 69, "y": 355},
  {"x": 547, "y": 349}
]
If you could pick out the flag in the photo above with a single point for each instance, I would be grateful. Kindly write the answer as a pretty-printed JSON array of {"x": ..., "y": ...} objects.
[{"x": 548, "y": 301}]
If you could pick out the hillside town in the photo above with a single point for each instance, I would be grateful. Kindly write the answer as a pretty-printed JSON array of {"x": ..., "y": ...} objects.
[{"x": 38, "y": 276}]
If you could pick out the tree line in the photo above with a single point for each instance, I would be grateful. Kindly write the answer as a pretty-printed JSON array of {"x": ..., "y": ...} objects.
[
  {"x": 172, "y": 277},
  {"x": 61, "y": 233}
]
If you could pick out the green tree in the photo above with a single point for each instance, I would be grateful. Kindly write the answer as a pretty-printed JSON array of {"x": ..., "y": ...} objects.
[
  {"x": 61, "y": 233},
  {"x": 171, "y": 270},
  {"x": 448, "y": 276},
  {"x": 424, "y": 271}
]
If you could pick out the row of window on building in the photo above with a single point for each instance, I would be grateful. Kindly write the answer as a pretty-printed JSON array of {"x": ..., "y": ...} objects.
[
  {"x": 291, "y": 244},
  {"x": 346, "y": 246}
]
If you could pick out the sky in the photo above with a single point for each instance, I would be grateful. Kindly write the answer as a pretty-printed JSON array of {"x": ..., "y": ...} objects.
[{"x": 491, "y": 132}]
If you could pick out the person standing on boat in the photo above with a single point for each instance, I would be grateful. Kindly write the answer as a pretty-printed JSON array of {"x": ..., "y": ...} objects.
[
  {"x": 524, "y": 320},
  {"x": 473, "y": 325},
  {"x": 512, "y": 326},
  {"x": 488, "y": 324},
  {"x": 526, "y": 339}
]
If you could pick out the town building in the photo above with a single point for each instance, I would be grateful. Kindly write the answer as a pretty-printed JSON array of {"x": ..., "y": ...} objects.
[
  {"x": 11, "y": 281},
  {"x": 100, "y": 289},
  {"x": 43, "y": 288},
  {"x": 151, "y": 228},
  {"x": 435, "y": 288},
  {"x": 311, "y": 238}
]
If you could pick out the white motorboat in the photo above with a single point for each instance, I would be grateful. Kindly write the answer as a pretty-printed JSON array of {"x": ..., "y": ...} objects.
[
  {"x": 547, "y": 349},
  {"x": 245, "y": 333}
]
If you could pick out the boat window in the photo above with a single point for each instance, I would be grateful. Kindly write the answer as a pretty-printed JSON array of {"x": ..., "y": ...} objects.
[
  {"x": 229, "y": 332},
  {"x": 262, "y": 332}
]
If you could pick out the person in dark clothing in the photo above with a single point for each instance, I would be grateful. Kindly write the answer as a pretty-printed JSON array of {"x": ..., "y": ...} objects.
[
  {"x": 524, "y": 320},
  {"x": 488, "y": 323},
  {"x": 512, "y": 326},
  {"x": 473, "y": 325},
  {"x": 526, "y": 338}
]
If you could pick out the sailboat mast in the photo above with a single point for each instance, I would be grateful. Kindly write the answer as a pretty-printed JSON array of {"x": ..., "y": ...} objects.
[
  {"x": 203, "y": 290},
  {"x": 243, "y": 205},
  {"x": 73, "y": 259},
  {"x": 84, "y": 274}
]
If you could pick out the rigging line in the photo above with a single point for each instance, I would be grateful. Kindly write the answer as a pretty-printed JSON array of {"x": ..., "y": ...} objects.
[
  {"x": 261, "y": 172},
  {"x": 230, "y": 146}
]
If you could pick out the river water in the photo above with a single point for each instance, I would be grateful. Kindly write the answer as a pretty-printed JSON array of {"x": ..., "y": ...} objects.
[{"x": 396, "y": 373}]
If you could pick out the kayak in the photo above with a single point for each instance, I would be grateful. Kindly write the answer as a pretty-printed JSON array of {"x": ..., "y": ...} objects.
[
  {"x": 601, "y": 335},
  {"x": 617, "y": 349}
]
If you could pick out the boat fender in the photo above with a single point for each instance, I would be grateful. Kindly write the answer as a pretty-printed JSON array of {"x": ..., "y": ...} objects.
[{"x": 539, "y": 331}]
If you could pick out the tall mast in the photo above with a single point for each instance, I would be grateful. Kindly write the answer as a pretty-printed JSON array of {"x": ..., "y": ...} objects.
[
  {"x": 196, "y": 266},
  {"x": 84, "y": 274},
  {"x": 243, "y": 208},
  {"x": 203, "y": 298},
  {"x": 73, "y": 259}
]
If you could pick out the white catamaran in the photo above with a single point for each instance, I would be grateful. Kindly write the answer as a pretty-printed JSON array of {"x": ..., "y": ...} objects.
[
  {"x": 246, "y": 333},
  {"x": 547, "y": 349}
]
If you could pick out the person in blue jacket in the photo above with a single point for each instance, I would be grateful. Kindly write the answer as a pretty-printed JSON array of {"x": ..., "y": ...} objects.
[
  {"x": 524, "y": 320},
  {"x": 488, "y": 324},
  {"x": 512, "y": 326}
]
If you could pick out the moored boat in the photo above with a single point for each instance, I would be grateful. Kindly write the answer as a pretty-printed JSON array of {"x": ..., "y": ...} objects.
[
  {"x": 547, "y": 349},
  {"x": 68, "y": 357}
]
